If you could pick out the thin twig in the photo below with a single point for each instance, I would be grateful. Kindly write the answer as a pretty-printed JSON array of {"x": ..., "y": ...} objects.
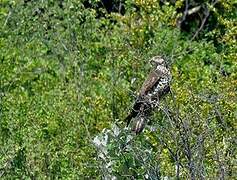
[
  {"x": 8, "y": 16},
  {"x": 207, "y": 13},
  {"x": 186, "y": 11},
  {"x": 202, "y": 25}
]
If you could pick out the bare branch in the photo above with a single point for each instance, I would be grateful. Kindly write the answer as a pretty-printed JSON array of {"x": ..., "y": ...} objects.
[{"x": 207, "y": 13}]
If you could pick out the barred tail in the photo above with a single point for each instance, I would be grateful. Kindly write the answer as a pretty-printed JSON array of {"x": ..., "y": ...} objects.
[
  {"x": 139, "y": 124},
  {"x": 133, "y": 113}
]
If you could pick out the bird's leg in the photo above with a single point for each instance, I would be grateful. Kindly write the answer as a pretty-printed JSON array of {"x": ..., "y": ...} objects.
[
  {"x": 154, "y": 102},
  {"x": 157, "y": 102}
]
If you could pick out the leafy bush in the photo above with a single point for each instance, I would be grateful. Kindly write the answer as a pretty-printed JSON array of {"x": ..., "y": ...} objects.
[{"x": 68, "y": 73}]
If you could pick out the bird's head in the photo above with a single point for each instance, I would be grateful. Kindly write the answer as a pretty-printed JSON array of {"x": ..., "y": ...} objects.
[{"x": 157, "y": 60}]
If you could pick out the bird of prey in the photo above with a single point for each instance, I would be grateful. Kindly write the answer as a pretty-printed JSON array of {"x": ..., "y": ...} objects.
[{"x": 153, "y": 89}]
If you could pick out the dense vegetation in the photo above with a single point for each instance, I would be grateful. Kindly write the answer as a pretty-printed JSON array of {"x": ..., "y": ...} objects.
[{"x": 69, "y": 74}]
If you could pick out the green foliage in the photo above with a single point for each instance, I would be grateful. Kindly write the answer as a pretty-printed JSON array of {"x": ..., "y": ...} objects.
[{"x": 68, "y": 73}]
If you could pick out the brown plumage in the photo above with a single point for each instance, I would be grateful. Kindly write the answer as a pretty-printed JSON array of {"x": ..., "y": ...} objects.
[{"x": 154, "y": 87}]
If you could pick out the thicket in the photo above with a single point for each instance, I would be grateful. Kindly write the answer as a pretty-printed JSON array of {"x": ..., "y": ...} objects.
[{"x": 69, "y": 75}]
